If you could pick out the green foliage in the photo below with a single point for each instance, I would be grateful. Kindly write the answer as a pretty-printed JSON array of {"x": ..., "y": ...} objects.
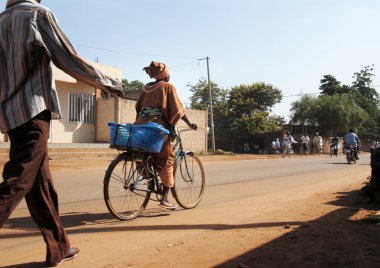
[
  {"x": 242, "y": 112},
  {"x": 303, "y": 112},
  {"x": 341, "y": 107},
  {"x": 366, "y": 96},
  {"x": 246, "y": 99},
  {"x": 333, "y": 114},
  {"x": 200, "y": 97},
  {"x": 133, "y": 85},
  {"x": 338, "y": 113},
  {"x": 249, "y": 109},
  {"x": 329, "y": 85}
]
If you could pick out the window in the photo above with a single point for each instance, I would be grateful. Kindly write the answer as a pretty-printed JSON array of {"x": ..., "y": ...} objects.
[{"x": 81, "y": 108}]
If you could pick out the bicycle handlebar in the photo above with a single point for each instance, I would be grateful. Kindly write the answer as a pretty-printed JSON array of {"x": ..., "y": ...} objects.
[{"x": 184, "y": 130}]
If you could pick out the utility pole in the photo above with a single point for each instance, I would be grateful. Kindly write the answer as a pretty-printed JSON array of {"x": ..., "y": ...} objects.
[{"x": 210, "y": 104}]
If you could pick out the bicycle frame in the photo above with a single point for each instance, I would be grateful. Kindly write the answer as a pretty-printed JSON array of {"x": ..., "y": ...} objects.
[{"x": 179, "y": 152}]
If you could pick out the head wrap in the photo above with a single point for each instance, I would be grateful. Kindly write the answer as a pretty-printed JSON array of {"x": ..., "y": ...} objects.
[
  {"x": 157, "y": 70},
  {"x": 15, "y": 2}
]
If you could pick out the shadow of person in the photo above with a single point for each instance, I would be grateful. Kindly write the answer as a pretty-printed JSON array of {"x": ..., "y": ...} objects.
[
  {"x": 337, "y": 239},
  {"x": 26, "y": 265}
]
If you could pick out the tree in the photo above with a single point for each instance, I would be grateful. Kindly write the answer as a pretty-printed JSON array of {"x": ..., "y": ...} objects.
[
  {"x": 363, "y": 94},
  {"x": 133, "y": 85},
  {"x": 247, "y": 99},
  {"x": 200, "y": 100},
  {"x": 368, "y": 99},
  {"x": 333, "y": 114},
  {"x": 249, "y": 108},
  {"x": 302, "y": 111},
  {"x": 329, "y": 85},
  {"x": 200, "y": 97},
  {"x": 337, "y": 113}
]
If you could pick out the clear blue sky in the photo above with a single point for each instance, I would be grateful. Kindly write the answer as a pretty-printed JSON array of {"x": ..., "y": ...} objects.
[{"x": 290, "y": 44}]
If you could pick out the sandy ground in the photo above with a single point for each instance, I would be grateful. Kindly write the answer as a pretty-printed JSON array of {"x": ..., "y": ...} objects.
[{"x": 320, "y": 226}]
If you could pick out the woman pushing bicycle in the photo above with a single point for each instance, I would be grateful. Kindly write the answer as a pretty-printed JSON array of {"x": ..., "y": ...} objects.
[{"x": 159, "y": 103}]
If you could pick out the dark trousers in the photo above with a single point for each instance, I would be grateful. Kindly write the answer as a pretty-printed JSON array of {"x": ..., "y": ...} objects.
[{"x": 27, "y": 174}]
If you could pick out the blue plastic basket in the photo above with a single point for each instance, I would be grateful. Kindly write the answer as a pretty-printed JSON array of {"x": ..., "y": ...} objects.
[{"x": 149, "y": 137}]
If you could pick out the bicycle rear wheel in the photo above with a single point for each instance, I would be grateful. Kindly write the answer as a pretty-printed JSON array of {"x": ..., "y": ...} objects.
[
  {"x": 126, "y": 192},
  {"x": 189, "y": 181}
]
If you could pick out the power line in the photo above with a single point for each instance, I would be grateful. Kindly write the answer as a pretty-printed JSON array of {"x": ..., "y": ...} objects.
[
  {"x": 133, "y": 52},
  {"x": 301, "y": 94}
]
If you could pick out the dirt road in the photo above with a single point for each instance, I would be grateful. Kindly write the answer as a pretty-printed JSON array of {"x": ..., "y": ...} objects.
[{"x": 249, "y": 223}]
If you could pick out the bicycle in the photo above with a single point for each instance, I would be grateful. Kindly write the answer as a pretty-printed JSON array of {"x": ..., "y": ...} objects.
[
  {"x": 303, "y": 150},
  {"x": 317, "y": 149},
  {"x": 132, "y": 178}
]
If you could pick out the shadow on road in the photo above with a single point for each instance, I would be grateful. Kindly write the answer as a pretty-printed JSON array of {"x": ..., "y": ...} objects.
[
  {"x": 26, "y": 265},
  {"x": 333, "y": 240}
]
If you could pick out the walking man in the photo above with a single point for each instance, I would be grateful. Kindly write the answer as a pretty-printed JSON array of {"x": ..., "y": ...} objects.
[{"x": 30, "y": 39}]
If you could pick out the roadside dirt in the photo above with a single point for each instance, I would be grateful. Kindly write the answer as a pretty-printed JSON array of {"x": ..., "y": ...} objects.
[{"x": 321, "y": 226}]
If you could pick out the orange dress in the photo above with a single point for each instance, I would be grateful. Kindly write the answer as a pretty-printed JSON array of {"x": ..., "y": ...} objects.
[{"x": 162, "y": 96}]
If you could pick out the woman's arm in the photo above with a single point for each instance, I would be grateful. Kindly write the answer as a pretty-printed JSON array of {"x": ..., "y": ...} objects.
[{"x": 192, "y": 126}]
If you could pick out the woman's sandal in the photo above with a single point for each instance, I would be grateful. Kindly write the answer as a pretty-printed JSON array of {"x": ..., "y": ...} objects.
[{"x": 71, "y": 254}]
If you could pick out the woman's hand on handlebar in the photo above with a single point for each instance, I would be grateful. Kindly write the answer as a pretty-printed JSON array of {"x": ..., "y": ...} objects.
[{"x": 193, "y": 126}]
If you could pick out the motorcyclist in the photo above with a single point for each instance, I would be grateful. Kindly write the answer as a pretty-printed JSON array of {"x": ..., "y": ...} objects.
[
  {"x": 334, "y": 143},
  {"x": 351, "y": 139}
]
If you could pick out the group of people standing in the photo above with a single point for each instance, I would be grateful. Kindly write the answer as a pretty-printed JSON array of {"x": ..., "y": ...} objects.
[
  {"x": 315, "y": 145},
  {"x": 289, "y": 142}
]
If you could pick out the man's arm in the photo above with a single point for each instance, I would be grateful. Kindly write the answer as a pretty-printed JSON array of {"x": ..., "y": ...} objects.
[{"x": 64, "y": 56}]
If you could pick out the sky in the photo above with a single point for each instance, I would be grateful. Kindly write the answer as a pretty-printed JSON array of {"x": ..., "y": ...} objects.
[{"x": 290, "y": 44}]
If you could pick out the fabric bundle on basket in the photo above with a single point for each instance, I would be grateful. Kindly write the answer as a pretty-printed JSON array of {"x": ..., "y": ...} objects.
[{"x": 148, "y": 137}]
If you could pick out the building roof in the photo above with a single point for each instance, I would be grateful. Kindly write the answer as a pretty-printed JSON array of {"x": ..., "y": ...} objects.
[{"x": 113, "y": 72}]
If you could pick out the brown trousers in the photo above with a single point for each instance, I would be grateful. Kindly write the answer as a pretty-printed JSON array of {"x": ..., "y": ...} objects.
[
  {"x": 165, "y": 161},
  {"x": 27, "y": 174}
]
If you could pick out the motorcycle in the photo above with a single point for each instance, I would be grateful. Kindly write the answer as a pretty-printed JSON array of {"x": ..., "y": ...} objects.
[
  {"x": 349, "y": 151},
  {"x": 334, "y": 150}
]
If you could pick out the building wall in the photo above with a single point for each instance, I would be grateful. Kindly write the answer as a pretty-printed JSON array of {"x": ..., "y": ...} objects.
[
  {"x": 194, "y": 140},
  {"x": 105, "y": 112},
  {"x": 63, "y": 131}
]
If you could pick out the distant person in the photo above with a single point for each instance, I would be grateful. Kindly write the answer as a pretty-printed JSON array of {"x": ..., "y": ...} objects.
[
  {"x": 246, "y": 147},
  {"x": 30, "y": 40},
  {"x": 317, "y": 143},
  {"x": 351, "y": 139},
  {"x": 305, "y": 142},
  {"x": 288, "y": 141},
  {"x": 278, "y": 145}
]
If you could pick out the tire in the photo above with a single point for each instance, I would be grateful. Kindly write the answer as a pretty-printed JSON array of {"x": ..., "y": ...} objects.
[
  {"x": 124, "y": 199},
  {"x": 189, "y": 183},
  {"x": 348, "y": 159}
]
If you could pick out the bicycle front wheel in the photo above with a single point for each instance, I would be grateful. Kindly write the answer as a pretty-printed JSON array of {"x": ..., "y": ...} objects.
[
  {"x": 126, "y": 192},
  {"x": 189, "y": 181}
]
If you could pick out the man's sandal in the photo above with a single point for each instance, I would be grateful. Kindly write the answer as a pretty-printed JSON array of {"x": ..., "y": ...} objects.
[{"x": 71, "y": 254}]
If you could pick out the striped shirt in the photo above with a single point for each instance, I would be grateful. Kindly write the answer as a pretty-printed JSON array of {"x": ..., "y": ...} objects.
[{"x": 30, "y": 40}]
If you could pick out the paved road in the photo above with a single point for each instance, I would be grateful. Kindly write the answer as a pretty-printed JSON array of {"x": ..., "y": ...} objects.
[
  {"x": 230, "y": 184},
  {"x": 85, "y": 185}
]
